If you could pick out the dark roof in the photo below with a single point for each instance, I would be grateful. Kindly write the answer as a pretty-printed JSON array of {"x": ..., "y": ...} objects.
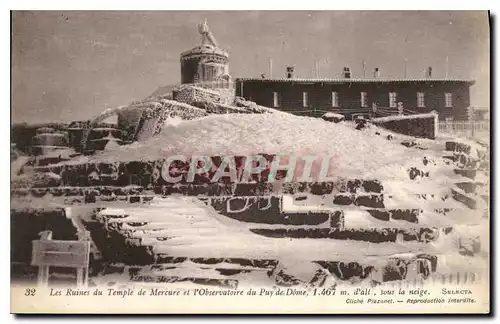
[{"x": 357, "y": 80}]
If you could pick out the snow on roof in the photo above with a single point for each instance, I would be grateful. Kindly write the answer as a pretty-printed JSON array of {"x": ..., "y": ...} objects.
[
  {"x": 112, "y": 212},
  {"x": 330, "y": 114},
  {"x": 418, "y": 116},
  {"x": 49, "y": 135},
  {"x": 100, "y": 129},
  {"x": 357, "y": 80}
]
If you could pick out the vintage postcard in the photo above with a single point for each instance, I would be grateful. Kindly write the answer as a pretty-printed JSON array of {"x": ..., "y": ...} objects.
[{"x": 250, "y": 162}]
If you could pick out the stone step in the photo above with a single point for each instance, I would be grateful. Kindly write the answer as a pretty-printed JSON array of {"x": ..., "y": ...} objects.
[
  {"x": 148, "y": 174},
  {"x": 162, "y": 233},
  {"x": 29, "y": 196},
  {"x": 469, "y": 187},
  {"x": 146, "y": 255},
  {"x": 378, "y": 235},
  {"x": 268, "y": 210},
  {"x": 274, "y": 216},
  {"x": 327, "y": 188},
  {"x": 323, "y": 219},
  {"x": 214, "y": 282},
  {"x": 124, "y": 247},
  {"x": 396, "y": 268},
  {"x": 409, "y": 214},
  {"x": 139, "y": 194},
  {"x": 471, "y": 174},
  {"x": 79, "y": 191},
  {"x": 382, "y": 269},
  {"x": 102, "y": 200},
  {"x": 375, "y": 235},
  {"x": 373, "y": 201},
  {"x": 210, "y": 189},
  {"x": 463, "y": 160},
  {"x": 458, "y": 147},
  {"x": 262, "y": 264},
  {"x": 482, "y": 149},
  {"x": 464, "y": 198},
  {"x": 362, "y": 200},
  {"x": 225, "y": 272}
]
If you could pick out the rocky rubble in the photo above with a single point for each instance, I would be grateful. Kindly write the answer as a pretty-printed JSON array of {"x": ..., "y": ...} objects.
[{"x": 240, "y": 223}]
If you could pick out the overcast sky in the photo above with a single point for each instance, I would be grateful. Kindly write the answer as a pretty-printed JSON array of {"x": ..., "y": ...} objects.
[{"x": 72, "y": 65}]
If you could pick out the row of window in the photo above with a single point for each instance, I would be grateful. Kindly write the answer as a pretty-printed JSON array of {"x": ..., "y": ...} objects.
[{"x": 364, "y": 99}]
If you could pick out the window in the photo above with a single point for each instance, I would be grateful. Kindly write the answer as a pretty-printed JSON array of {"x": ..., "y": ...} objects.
[
  {"x": 420, "y": 100},
  {"x": 448, "y": 100},
  {"x": 305, "y": 99},
  {"x": 276, "y": 99},
  {"x": 335, "y": 99},
  {"x": 364, "y": 99},
  {"x": 392, "y": 99}
]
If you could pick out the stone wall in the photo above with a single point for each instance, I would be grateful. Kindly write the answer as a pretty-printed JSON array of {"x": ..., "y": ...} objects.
[
  {"x": 422, "y": 125},
  {"x": 189, "y": 94},
  {"x": 129, "y": 119},
  {"x": 154, "y": 115}
]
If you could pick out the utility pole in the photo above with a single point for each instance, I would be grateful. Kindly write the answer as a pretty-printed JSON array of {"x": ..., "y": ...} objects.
[
  {"x": 364, "y": 70},
  {"x": 270, "y": 68},
  {"x": 406, "y": 59},
  {"x": 447, "y": 66}
]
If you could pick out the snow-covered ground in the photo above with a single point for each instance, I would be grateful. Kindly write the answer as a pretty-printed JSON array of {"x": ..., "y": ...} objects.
[
  {"x": 199, "y": 231},
  {"x": 352, "y": 153}
]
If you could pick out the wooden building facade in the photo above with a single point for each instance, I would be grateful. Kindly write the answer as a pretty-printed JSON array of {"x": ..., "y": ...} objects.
[{"x": 314, "y": 97}]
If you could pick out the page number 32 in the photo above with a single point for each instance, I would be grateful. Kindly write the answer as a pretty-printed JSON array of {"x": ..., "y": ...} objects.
[{"x": 30, "y": 292}]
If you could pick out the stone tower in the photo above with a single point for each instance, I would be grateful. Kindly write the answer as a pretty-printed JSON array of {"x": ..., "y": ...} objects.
[{"x": 205, "y": 63}]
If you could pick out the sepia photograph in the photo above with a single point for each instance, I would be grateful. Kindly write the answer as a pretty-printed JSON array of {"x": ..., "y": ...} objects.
[{"x": 250, "y": 162}]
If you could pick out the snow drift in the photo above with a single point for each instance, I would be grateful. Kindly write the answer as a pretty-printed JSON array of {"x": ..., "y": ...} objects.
[{"x": 351, "y": 152}]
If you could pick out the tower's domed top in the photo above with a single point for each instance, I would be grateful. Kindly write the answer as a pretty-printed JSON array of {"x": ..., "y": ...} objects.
[
  {"x": 205, "y": 49},
  {"x": 208, "y": 43}
]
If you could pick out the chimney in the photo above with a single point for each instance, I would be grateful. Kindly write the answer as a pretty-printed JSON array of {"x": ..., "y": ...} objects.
[
  {"x": 347, "y": 72},
  {"x": 289, "y": 72},
  {"x": 428, "y": 73},
  {"x": 376, "y": 73}
]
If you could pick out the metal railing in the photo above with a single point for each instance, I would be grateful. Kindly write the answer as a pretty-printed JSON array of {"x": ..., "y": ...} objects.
[{"x": 466, "y": 127}]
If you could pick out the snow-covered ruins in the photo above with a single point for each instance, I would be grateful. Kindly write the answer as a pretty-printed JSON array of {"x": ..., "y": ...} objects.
[{"x": 397, "y": 202}]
